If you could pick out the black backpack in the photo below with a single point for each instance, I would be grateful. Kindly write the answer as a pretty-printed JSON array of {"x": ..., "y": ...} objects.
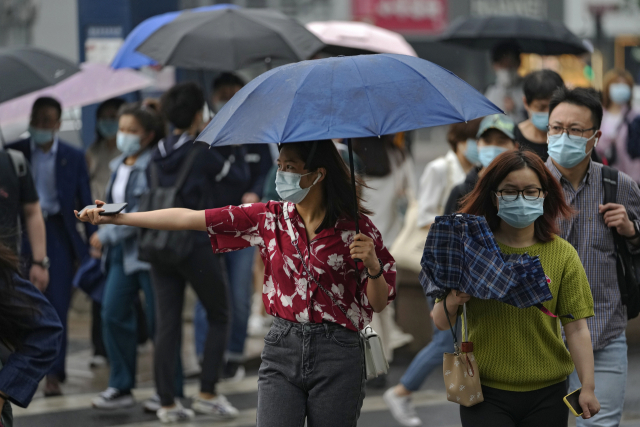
[
  {"x": 162, "y": 246},
  {"x": 627, "y": 265},
  {"x": 633, "y": 137}
]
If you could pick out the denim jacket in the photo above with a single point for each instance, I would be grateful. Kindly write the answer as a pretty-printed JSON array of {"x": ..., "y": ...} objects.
[{"x": 111, "y": 235}]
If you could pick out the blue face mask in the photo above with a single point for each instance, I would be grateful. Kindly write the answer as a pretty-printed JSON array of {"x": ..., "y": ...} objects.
[
  {"x": 471, "y": 152},
  {"x": 107, "y": 128},
  {"x": 520, "y": 213},
  {"x": 568, "y": 152},
  {"x": 540, "y": 120},
  {"x": 41, "y": 136},
  {"x": 488, "y": 153},
  {"x": 288, "y": 186},
  {"x": 128, "y": 143},
  {"x": 620, "y": 93}
]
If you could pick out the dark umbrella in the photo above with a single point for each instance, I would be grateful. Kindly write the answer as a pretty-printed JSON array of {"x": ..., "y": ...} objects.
[
  {"x": 531, "y": 35},
  {"x": 229, "y": 39},
  {"x": 24, "y": 70}
]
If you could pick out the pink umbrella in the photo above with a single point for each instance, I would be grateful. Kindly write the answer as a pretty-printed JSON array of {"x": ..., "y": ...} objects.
[
  {"x": 349, "y": 38},
  {"x": 94, "y": 83}
]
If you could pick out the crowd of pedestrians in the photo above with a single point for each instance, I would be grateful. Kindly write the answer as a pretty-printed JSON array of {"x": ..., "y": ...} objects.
[{"x": 535, "y": 174}]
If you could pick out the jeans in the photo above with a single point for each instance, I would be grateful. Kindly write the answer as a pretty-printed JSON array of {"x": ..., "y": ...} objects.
[
  {"x": 205, "y": 272},
  {"x": 429, "y": 357},
  {"x": 611, "y": 381},
  {"x": 119, "y": 318},
  {"x": 312, "y": 371},
  {"x": 543, "y": 407},
  {"x": 240, "y": 272}
]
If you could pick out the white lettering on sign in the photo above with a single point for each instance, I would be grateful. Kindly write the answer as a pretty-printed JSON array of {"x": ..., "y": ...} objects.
[
  {"x": 529, "y": 8},
  {"x": 410, "y": 9}
]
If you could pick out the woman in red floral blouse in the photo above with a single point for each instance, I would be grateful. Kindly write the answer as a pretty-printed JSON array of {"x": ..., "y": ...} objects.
[{"x": 312, "y": 363}]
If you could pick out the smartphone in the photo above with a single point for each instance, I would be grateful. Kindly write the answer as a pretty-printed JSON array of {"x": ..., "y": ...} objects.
[
  {"x": 109, "y": 209},
  {"x": 571, "y": 400}
]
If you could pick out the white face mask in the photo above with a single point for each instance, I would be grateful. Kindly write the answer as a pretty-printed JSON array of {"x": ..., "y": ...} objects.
[
  {"x": 506, "y": 77},
  {"x": 288, "y": 186}
]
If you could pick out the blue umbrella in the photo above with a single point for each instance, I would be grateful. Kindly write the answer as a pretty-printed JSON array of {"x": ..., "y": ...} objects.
[
  {"x": 345, "y": 97},
  {"x": 128, "y": 57}
]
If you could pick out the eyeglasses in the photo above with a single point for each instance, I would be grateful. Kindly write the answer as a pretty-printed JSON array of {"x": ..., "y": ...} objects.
[
  {"x": 528, "y": 194},
  {"x": 573, "y": 133}
]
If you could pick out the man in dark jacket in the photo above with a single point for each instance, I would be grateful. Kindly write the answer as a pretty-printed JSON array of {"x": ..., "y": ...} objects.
[{"x": 62, "y": 181}]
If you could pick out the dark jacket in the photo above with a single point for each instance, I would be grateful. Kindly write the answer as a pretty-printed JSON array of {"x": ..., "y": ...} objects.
[
  {"x": 219, "y": 176},
  {"x": 23, "y": 370},
  {"x": 74, "y": 192},
  {"x": 461, "y": 190}
]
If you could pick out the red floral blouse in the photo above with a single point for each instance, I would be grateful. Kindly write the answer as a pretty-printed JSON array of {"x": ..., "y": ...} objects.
[{"x": 287, "y": 292}]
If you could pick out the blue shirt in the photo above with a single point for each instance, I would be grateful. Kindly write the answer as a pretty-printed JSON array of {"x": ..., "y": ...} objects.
[{"x": 43, "y": 166}]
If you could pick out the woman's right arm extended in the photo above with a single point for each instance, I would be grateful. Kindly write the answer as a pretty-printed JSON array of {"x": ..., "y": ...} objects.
[
  {"x": 453, "y": 300},
  {"x": 165, "y": 219}
]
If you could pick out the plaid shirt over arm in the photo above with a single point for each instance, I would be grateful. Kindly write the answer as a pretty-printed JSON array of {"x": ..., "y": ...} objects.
[{"x": 588, "y": 234}]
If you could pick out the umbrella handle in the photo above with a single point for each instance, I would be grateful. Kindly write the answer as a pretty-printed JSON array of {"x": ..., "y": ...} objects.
[{"x": 355, "y": 194}]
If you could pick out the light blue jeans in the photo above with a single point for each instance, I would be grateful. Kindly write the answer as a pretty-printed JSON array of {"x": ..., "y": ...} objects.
[
  {"x": 429, "y": 357},
  {"x": 240, "y": 269},
  {"x": 611, "y": 381}
]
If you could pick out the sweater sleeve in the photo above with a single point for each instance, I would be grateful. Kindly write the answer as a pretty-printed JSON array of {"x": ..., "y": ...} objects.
[{"x": 574, "y": 294}]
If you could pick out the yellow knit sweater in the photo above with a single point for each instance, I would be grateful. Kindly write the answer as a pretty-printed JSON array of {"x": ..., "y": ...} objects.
[{"x": 522, "y": 349}]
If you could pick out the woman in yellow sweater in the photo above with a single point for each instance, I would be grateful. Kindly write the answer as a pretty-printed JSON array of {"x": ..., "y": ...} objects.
[{"x": 521, "y": 355}]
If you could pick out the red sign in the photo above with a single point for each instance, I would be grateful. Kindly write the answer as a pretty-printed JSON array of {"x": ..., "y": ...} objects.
[{"x": 405, "y": 16}]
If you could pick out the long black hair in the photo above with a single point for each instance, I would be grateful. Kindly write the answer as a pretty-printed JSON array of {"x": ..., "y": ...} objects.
[
  {"x": 338, "y": 191},
  {"x": 16, "y": 313}
]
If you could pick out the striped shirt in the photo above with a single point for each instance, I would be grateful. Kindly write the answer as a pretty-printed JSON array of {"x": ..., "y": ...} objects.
[{"x": 593, "y": 241}]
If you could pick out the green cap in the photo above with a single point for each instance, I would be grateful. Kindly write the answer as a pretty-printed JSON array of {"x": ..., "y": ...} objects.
[{"x": 502, "y": 122}]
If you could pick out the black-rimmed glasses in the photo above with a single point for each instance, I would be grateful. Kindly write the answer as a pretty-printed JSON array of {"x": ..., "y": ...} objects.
[
  {"x": 528, "y": 194},
  {"x": 572, "y": 132}
]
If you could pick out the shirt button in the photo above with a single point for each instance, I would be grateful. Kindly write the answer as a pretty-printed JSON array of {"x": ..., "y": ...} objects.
[{"x": 304, "y": 273}]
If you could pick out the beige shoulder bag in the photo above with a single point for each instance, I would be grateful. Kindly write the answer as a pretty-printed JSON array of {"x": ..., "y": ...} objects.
[{"x": 460, "y": 369}]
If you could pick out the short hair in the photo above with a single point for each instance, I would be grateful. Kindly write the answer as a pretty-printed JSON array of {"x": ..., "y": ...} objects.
[
  {"x": 584, "y": 97},
  {"x": 114, "y": 103},
  {"x": 226, "y": 79},
  {"x": 502, "y": 50},
  {"x": 148, "y": 117},
  {"x": 610, "y": 77},
  {"x": 480, "y": 201},
  {"x": 459, "y": 132},
  {"x": 541, "y": 84},
  {"x": 46, "y": 101},
  {"x": 181, "y": 103}
]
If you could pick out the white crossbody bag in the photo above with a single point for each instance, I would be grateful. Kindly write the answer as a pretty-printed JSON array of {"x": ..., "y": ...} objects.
[{"x": 375, "y": 361}]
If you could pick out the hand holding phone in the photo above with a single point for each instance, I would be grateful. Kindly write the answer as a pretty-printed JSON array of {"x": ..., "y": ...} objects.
[
  {"x": 100, "y": 213},
  {"x": 582, "y": 403}
]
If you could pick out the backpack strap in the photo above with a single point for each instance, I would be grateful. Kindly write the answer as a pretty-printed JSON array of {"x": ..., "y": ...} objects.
[
  {"x": 185, "y": 168},
  {"x": 610, "y": 184},
  {"x": 19, "y": 162}
]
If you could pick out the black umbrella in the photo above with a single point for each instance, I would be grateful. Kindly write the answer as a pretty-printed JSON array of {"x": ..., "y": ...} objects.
[
  {"x": 531, "y": 35},
  {"x": 25, "y": 70},
  {"x": 229, "y": 39}
]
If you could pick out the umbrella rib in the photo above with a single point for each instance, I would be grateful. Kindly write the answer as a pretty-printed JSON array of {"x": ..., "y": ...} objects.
[
  {"x": 34, "y": 70},
  {"x": 435, "y": 87},
  {"x": 284, "y": 128},
  {"x": 279, "y": 34},
  {"x": 378, "y": 130}
]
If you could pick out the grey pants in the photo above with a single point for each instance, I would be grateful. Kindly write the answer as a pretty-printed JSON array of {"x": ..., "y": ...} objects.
[{"x": 312, "y": 371}]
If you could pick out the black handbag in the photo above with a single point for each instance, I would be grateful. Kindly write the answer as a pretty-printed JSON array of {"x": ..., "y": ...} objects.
[{"x": 627, "y": 264}]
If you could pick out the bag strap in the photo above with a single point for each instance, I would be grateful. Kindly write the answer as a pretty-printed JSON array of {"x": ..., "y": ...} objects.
[
  {"x": 610, "y": 184},
  {"x": 453, "y": 330},
  {"x": 185, "y": 168},
  {"x": 294, "y": 240},
  {"x": 19, "y": 162}
]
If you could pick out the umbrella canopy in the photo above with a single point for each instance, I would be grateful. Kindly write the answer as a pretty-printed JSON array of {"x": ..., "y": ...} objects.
[
  {"x": 461, "y": 254},
  {"x": 127, "y": 57},
  {"x": 228, "y": 39},
  {"x": 24, "y": 70},
  {"x": 345, "y": 97},
  {"x": 355, "y": 38},
  {"x": 95, "y": 83},
  {"x": 531, "y": 35}
]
